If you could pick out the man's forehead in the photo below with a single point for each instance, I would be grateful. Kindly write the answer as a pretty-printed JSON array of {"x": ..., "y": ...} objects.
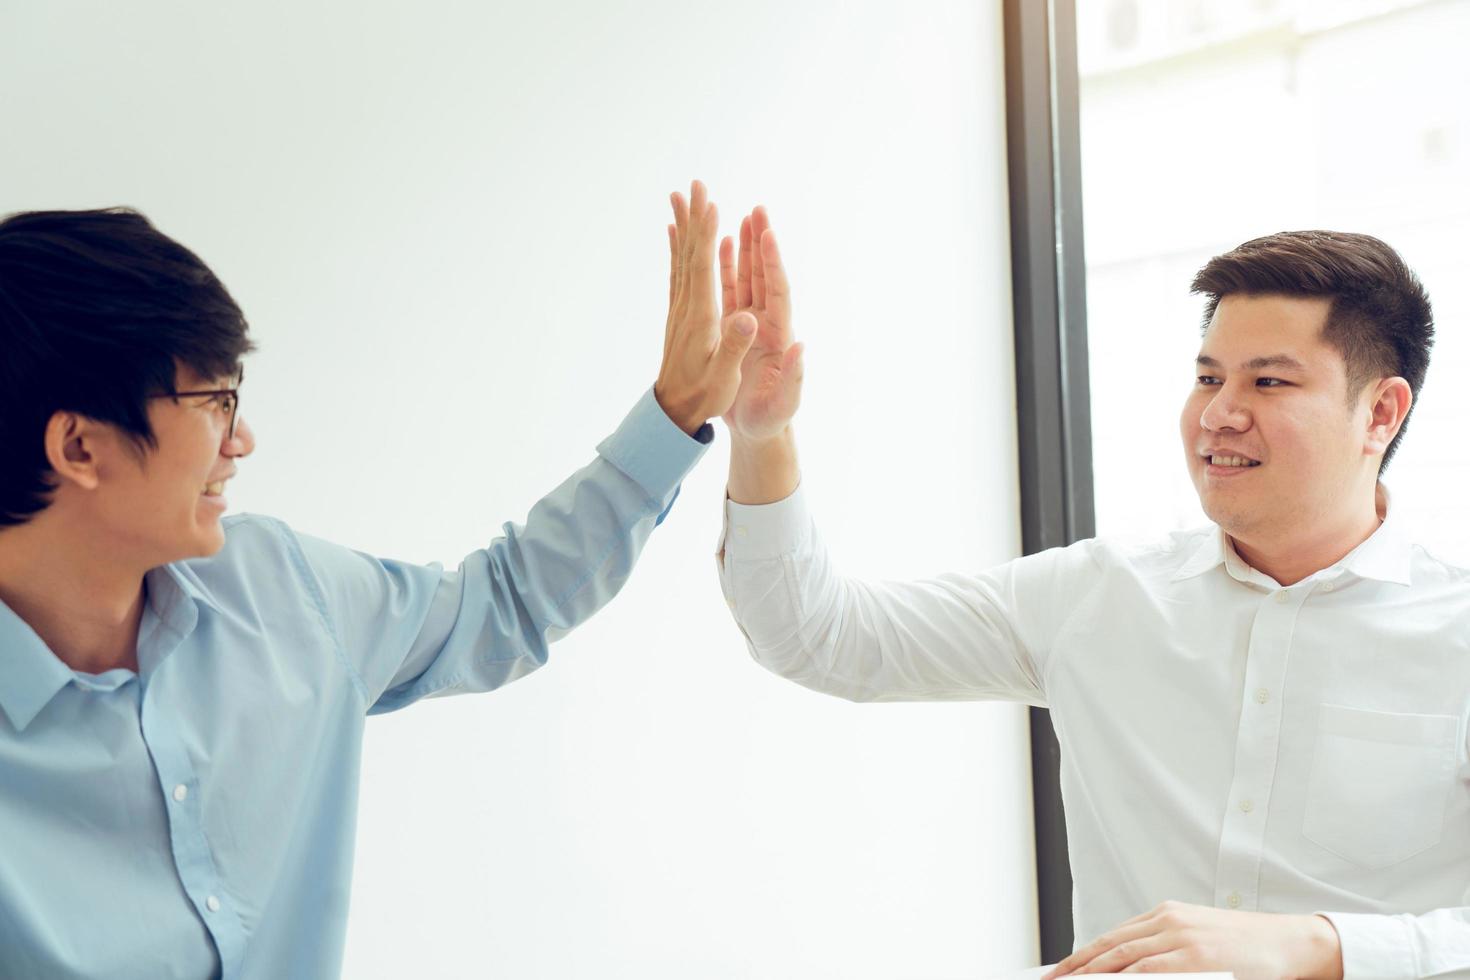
[
  {"x": 186, "y": 377},
  {"x": 1268, "y": 332}
]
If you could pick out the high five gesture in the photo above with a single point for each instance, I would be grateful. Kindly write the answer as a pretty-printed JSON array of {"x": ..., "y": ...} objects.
[{"x": 702, "y": 351}]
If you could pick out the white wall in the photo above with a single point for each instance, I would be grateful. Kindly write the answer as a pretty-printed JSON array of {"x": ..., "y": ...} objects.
[{"x": 446, "y": 223}]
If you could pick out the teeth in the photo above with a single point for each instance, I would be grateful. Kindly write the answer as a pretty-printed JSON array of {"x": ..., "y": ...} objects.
[
  {"x": 214, "y": 489},
  {"x": 1232, "y": 461}
]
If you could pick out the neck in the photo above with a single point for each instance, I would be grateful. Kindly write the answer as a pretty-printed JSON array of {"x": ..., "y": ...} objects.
[
  {"x": 85, "y": 609},
  {"x": 1290, "y": 557}
]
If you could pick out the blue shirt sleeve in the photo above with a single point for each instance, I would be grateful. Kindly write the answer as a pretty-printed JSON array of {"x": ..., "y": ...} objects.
[{"x": 412, "y": 631}]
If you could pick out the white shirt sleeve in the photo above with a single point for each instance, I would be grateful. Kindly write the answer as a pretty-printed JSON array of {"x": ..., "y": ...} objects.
[
  {"x": 1435, "y": 944},
  {"x": 954, "y": 637}
]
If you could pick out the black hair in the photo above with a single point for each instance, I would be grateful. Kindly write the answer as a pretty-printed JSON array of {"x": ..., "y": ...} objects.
[
  {"x": 97, "y": 311},
  {"x": 1380, "y": 319}
]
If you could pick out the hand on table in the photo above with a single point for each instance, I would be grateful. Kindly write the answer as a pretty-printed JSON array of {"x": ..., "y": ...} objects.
[{"x": 1179, "y": 938}]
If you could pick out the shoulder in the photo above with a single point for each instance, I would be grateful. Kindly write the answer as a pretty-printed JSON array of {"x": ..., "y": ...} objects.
[
  {"x": 1157, "y": 556},
  {"x": 249, "y": 537},
  {"x": 1431, "y": 567},
  {"x": 256, "y": 547},
  {"x": 1095, "y": 561}
]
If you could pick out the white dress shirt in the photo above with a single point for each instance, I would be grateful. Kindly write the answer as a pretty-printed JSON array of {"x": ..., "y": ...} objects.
[{"x": 1225, "y": 741}]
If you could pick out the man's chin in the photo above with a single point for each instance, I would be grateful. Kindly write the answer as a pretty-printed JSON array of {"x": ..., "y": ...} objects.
[
  {"x": 207, "y": 540},
  {"x": 1229, "y": 515}
]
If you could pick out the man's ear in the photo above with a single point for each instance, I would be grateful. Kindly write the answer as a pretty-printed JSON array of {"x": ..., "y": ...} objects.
[
  {"x": 1388, "y": 406},
  {"x": 72, "y": 443}
]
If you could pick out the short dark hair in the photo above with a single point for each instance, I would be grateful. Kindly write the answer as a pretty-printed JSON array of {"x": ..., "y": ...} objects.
[
  {"x": 97, "y": 311},
  {"x": 1380, "y": 319}
]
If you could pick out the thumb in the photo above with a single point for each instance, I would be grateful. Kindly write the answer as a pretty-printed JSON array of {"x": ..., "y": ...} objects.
[
  {"x": 792, "y": 363},
  {"x": 737, "y": 333}
]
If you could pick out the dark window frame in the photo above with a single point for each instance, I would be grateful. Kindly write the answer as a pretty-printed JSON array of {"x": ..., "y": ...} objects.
[{"x": 1053, "y": 411}]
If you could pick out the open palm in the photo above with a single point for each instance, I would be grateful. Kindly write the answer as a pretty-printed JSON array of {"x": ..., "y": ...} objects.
[{"x": 770, "y": 375}]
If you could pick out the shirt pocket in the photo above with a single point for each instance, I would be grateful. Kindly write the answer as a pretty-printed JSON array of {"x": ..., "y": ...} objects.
[{"x": 1379, "y": 784}]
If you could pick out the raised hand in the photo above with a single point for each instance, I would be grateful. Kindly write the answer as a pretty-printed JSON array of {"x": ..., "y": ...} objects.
[
  {"x": 703, "y": 351},
  {"x": 770, "y": 382}
]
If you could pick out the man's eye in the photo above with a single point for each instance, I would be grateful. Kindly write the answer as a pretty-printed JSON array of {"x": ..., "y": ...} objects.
[
  {"x": 1269, "y": 382},
  {"x": 225, "y": 402},
  {"x": 1207, "y": 379}
]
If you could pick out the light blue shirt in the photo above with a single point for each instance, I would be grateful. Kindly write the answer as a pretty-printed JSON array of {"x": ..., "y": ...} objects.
[{"x": 196, "y": 819}]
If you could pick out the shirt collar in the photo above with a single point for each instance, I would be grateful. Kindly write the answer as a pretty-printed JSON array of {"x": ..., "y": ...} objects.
[
  {"x": 1385, "y": 555},
  {"x": 31, "y": 675},
  {"x": 180, "y": 574}
]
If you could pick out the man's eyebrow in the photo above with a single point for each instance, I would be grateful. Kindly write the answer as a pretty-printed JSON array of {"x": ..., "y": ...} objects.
[{"x": 1257, "y": 363}]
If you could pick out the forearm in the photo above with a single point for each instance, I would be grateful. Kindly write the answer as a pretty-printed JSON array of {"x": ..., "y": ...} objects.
[
  {"x": 949, "y": 638},
  {"x": 763, "y": 472}
]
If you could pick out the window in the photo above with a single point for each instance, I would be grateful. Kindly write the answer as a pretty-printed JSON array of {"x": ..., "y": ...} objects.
[{"x": 1205, "y": 123}]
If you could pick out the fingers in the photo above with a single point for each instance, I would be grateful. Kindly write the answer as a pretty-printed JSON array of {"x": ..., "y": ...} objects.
[
  {"x": 702, "y": 272},
  {"x": 778, "y": 292},
  {"x": 673, "y": 287},
  {"x": 792, "y": 363},
  {"x": 1087, "y": 955},
  {"x": 742, "y": 281},
  {"x": 1127, "y": 954},
  {"x": 1171, "y": 962},
  {"x": 758, "y": 225},
  {"x": 727, "y": 276},
  {"x": 679, "y": 297},
  {"x": 681, "y": 215},
  {"x": 737, "y": 333},
  {"x": 673, "y": 263}
]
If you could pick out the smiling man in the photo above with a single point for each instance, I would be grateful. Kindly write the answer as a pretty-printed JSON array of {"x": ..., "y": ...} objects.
[
  {"x": 182, "y": 698},
  {"x": 1262, "y": 721}
]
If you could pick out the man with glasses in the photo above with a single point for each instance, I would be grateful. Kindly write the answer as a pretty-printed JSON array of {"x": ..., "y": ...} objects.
[{"x": 182, "y": 696}]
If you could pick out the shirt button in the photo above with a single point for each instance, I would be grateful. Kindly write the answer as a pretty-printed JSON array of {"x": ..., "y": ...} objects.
[
  {"x": 1328, "y": 587},
  {"x": 1282, "y": 597},
  {"x": 740, "y": 530},
  {"x": 1262, "y": 696},
  {"x": 1233, "y": 900},
  {"x": 1246, "y": 806},
  {"x": 180, "y": 792},
  {"x": 212, "y": 903}
]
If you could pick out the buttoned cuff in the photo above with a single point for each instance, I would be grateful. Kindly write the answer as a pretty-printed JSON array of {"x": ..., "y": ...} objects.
[
  {"x": 653, "y": 451},
  {"x": 754, "y": 532},
  {"x": 1374, "y": 946}
]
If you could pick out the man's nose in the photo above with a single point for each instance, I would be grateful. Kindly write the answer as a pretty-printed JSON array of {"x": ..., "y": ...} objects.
[
  {"x": 243, "y": 444},
  {"x": 1225, "y": 411}
]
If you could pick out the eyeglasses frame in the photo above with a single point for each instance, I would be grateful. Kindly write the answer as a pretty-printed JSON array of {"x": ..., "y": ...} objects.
[{"x": 234, "y": 394}]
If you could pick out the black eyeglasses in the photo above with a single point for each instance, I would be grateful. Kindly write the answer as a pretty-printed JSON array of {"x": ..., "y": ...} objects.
[{"x": 229, "y": 399}]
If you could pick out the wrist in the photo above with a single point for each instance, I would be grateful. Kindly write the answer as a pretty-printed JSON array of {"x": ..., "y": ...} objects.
[
  {"x": 763, "y": 471},
  {"x": 1321, "y": 957},
  {"x": 752, "y": 445},
  {"x": 681, "y": 412}
]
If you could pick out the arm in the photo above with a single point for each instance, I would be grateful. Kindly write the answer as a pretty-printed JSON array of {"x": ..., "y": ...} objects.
[
  {"x": 1329, "y": 945},
  {"x": 408, "y": 631},
  {"x": 948, "y": 638},
  {"x": 954, "y": 637},
  {"x": 1434, "y": 944}
]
